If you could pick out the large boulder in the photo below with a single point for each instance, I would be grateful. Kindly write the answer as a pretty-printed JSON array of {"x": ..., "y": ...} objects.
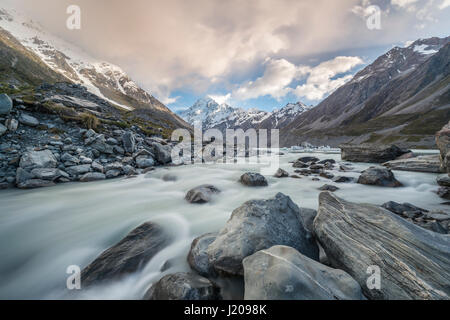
[
  {"x": 282, "y": 273},
  {"x": 201, "y": 194},
  {"x": 253, "y": 180},
  {"x": 163, "y": 153},
  {"x": 259, "y": 225},
  {"x": 443, "y": 143},
  {"x": 198, "y": 257},
  {"x": 38, "y": 159},
  {"x": 6, "y": 104},
  {"x": 378, "y": 176},
  {"x": 370, "y": 153},
  {"x": 414, "y": 263},
  {"x": 129, "y": 142},
  {"x": 127, "y": 256},
  {"x": 48, "y": 173},
  {"x": 183, "y": 286},
  {"x": 429, "y": 164}
]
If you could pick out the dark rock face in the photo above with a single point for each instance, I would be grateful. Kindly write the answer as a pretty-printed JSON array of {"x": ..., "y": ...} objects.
[
  {"x": 253, "y": 180},
  {"x": 127, "y": 256},
  {"x": 429, "y": 164},
  {"x": 183, "y": 286},
  {"x": 414, "y": 263},
  {"x": 198, "y": 257},
  {"x": 443, "y": 143},
  {"x": 378, "y": 176},
  {"x": 282, "y": 273},
  {"x": 258, "y": 225},
  {"x": 201, "y": 194},
  {"x": 281, "y": 174},
  {"x": 370, "y": 153}
]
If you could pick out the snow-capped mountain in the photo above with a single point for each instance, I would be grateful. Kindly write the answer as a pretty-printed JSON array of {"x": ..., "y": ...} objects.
[
  {"x": 101, "y": 78},
  {"x": 210, "y": 114}
]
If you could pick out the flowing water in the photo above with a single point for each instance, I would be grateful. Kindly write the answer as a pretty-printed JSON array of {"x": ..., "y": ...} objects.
[{"x": 44, "y": 231}]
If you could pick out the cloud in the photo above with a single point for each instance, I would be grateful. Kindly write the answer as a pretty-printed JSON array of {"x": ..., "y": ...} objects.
[
  {"x": 404, "y": 3},
  {"x": 444, "y": 4},
  {"x": 321, "y": 80},
  {"x": 220, "y": 99}
]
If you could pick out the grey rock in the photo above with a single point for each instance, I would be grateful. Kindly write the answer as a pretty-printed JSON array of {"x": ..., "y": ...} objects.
[
  {"x": 79, "y": 170},
  {"x": 282, "y": 273},
  {"x": 92, "y": 176},
  {"x": 308, "y": 159},
  {"x": 114, "y": 166},
  {"x": 50, "y": 174},
  {"x": 163, "y": 153},
  {"x": 23, "y": 175},
  {"x": 183, "y": 286},
  {"x": 378, "y": 176},
  {"x": 443, "y": 143},
  {"x": 101, "y": 146},
  {"x": 3, "y": 129},
  {"x": 118, "y": 150},
  {"x": 443, "y": 180},
  {"x": 444, "y": 192},
  {"x": 414, "y": 262},
  {"x": 69, "y": 159},
  {"x": 68, "y": 140},
  {"x": 400, "y": 209},
  {"x": 201, "y": 194},
  {"x": 429, "y": 164},
  {"x": 38, "y": 159},
  {"x": 28, "y": 120},
  {"x": 35, "y": 183},
  {"x": 144, "y": 162},
  {"x": 97, "y": 167},
  {"x": 112, "y": 141},
  {"x": 370, "y": 153},
  {"x": 111, "y": 174},
  {"x": 300, "y": 164},
  {"x": 258, "y": 225},
  {"x": 126, "y": 257},
  {"x": 6, "y": 104},
  {"x": 342, "y": 179},
  {"x": 281, "y": 174},
  {"x": 85, "y": 160},
  {"x": 128, "y": 170},
  {"x": 129, "y": 142},
  {"x": 253, "y": 180},
  {"x": 198, "y": 257},
  {"x": 12, "y": 124}
]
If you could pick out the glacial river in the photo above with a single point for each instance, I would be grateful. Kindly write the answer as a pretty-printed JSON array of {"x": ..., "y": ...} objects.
[{"x": 44, "y": 231}]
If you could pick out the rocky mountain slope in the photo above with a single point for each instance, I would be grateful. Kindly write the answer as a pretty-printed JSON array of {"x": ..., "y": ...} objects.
[
  {"x": 105, "y": 80},
  {"x": 403, "y": 97},
  {"x": 211, "y": 114}
]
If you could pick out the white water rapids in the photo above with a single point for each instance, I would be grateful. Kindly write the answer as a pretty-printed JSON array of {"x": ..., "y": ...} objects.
[{"x": 44, "y": 231}]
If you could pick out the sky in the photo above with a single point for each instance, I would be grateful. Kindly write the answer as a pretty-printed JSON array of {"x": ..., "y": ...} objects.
[{"x": 250, "y": 54}]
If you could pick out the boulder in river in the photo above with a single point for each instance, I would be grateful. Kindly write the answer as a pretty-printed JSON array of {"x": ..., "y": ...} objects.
[
  {"x": 163, "y": 153},
  {"x": 282, "y": 273},
  {"x": 378, "y": 176},
  {"x": 429, "y": 164},
  {"x": 127, "y": 256},
  {"x": 258, "y": 225},
  {"x": 300, "y": 164},
  {"x": 198, "y": 257},
  {"x": 308, "y": 159},
  {"x": 183, "y": 286},
  {"x": 443, "y": 180},
  {"x": 93, "y": 176},
  {"x": 443, "y": 143},
  {"x": 281, "y": 174},
  {"x": 328, "y": 187},
  {"x": 253, "y": 180},
  {"x": 370, "y": 153},
  {"x": 201, "y": 194},
  {"x": 414, "y": 263}
]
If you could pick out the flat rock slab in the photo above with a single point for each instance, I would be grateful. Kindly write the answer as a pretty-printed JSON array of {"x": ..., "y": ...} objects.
[
  {"x": 370, "y": 153},
  {"x": 430, "y": 164},
  {"x": 282, "y": 273},
  {"x": 414, "y": 262},
  {"x": 127, "y": 256}
]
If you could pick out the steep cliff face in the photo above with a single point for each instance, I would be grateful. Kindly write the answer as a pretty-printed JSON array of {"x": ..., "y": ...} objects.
[{"x": 404, "y": 96}]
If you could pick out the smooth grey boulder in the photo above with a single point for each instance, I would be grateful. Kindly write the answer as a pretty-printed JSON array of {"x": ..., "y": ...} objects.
[
  {"x": 378, "y": 176},
  {"x": 3, "y": 129},
  {"x": 281, "y": 174},
  {"x": 48, "y": 173},
  {"x": 414, "y": 262},
  {"x": 145, "y": 162},
  {"x": 128, "y": 256},
  {"x": 183, "y": 286},
  {"x": 370, "y": 153},
  {"x": 342, "y": 179},
  {"x": 282, "y": 273},
  {"x": 163, "y": 153},
  {"x": 38, "y": 159},
  {"x": 92, "y": 176},
  {"x": 258, "y": 225},
  {"x": 429, "y": 164},
  {"x": 28, "y": 120},
  {"x": 201, "y": 194},
  {"x": 443, "y": 180},
  {"x": 129, "y": 142},
  {"x": 79, "y": 170},
  {"x": 6, "y": 104},
  {"x": 35, "y": 183},
  {"x": 23, "y": 175},
  {"x": 328, "y": 187},
  {"x": 253, "y": 180},
  {"x": 198, "y": 257}
]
